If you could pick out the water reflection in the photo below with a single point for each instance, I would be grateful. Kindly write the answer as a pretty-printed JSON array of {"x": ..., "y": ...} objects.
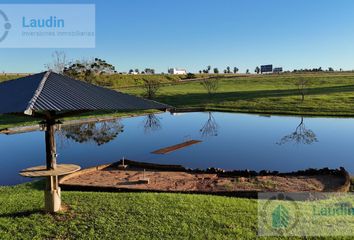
[
  {"x": 98, "y": 133},
  {"x": 152, "y": 123},
  {"x": 210, "y": 127},
  {"x": 301, "y": 135},
  {"x": 249, "y": 144}
]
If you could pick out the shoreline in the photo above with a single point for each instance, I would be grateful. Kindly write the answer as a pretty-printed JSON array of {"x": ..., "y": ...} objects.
[
  {"x": 177, "y": 179},
  {"x": 98, "y": 118},
  {"x": 30, "y": 127}
]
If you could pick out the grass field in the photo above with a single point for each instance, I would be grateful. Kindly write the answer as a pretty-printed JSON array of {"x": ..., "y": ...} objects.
[
  {"x": 97, "y": 215},
  {"x": 328, "y": 94}
]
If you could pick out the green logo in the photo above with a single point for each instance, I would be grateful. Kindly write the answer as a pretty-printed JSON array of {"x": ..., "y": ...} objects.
[{"x": 280, "y": 217}]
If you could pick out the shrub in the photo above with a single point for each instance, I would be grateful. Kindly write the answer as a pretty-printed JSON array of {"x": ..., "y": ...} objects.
[{"x": 151, "y": 86}]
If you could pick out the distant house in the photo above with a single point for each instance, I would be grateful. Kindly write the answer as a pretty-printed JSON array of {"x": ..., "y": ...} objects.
[
  {"x": 177, "y": 71},
  {"x": 267, "y": 68},
  {"x": 278, "y": 70}
]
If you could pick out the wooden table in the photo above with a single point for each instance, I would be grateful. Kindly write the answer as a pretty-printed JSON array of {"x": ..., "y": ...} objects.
[
  {"x": 41, "y": 171},
  {"x": 52, "y": 195}
]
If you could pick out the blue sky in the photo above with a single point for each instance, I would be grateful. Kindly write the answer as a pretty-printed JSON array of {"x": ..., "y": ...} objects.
[{"x": 192, "y": 34}]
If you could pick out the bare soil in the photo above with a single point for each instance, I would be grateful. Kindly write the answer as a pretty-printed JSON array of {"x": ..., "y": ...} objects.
[{"x": 193, "y": 182}]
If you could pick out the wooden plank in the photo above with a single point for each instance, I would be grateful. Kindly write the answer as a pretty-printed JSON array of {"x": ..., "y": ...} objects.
[
  {"x": 176, "y": 147},
  {"x": 154, "y": 166}
]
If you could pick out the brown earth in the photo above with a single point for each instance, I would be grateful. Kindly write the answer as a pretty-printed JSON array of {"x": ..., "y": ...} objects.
[{"x": 195, "y": 182}]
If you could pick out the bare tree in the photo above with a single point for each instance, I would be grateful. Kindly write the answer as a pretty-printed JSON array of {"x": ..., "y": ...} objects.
[
  {"x": 211, "y": 85},
  {"x": 210, "y": 128},
  {"x": 301, "y": 135},
  {"x": 152, "y": 123},
  {"x": 151, "y": 87},
  {"x": 59, "y": 62},
  {"x": 302, "y": 84}
]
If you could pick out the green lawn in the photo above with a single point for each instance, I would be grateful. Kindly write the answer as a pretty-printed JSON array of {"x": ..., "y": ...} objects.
[
  {"x": 97, "y": 215},
  {"x": 328, "y": 94}
]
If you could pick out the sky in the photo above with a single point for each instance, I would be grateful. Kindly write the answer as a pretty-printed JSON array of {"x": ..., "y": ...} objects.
[{"x": 193, "y": 34}]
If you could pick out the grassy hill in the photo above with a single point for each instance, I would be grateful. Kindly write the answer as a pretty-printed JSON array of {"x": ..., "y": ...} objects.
[{"x": 328, "y": 94}]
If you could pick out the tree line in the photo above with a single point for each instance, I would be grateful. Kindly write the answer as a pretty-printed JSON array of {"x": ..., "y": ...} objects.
[
  {"x": 90, "y": 70},
  {"x": 227, "y": 70}
]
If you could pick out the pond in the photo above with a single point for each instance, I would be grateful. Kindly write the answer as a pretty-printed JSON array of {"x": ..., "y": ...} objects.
[{"x": 229, "y": 141}]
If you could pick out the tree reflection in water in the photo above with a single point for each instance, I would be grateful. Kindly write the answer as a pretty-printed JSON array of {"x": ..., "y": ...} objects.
[
  {"x": 98, "y": 133},
  {"x": 152, "y": 123},
  {"x": 301, "y": 135},
  {"x": 210, "y": 128}
]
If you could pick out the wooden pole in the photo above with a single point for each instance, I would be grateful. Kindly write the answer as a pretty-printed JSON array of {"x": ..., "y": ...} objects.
[
  {"x": 52, "y": 194},
  {"x": 51, "y": 155}
]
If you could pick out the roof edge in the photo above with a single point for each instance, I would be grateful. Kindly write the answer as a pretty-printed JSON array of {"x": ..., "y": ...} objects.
[{"x": 29, "y": 109}]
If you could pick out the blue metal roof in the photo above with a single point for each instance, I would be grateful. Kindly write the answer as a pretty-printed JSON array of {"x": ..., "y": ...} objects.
[{"x": 49, "y": 91}]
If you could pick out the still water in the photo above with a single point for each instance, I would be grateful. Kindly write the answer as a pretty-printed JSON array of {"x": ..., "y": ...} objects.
[{"x": 229, "y": 141}]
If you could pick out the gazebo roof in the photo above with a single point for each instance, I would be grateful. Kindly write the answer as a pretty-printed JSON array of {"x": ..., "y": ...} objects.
[{"x": 49, "y": 91}]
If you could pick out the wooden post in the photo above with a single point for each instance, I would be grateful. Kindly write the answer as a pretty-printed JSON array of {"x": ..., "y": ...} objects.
[
  {"x": 52, "y": 196},
  {"x": 51, "y": 155}
]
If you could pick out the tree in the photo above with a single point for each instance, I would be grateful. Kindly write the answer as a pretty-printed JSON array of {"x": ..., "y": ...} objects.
[
  {"x": 228, "y": 69},
  {"x": 216, "y": 70},
  {"x": 59, "y": 62},
  {"x": 152, "y": 123},
  {"x": 301, "y": 135},
  {"x": 210, "y": 128},
  {"x": 149, "y": 71},
  {"x": 235, "y": 70},
  {"x": 247, "y": 71},
  {"x": 99, "y": 133},
  {"x": 88, "y": 70},
  {"x": 200, "y": 71},
  {"x": 136, "y": 70},
  {"x": 208, "y": 68},
  {"x": 131, "y": 71},
  {"x": 330, "y": 69},
  {"x": 211, "y": 85},
  {"x": 302, "y": 87},
  {"x": 257, "y": 70},
  {"x": 190, "y": 76},
  {"x": 151, "y": 87}
]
